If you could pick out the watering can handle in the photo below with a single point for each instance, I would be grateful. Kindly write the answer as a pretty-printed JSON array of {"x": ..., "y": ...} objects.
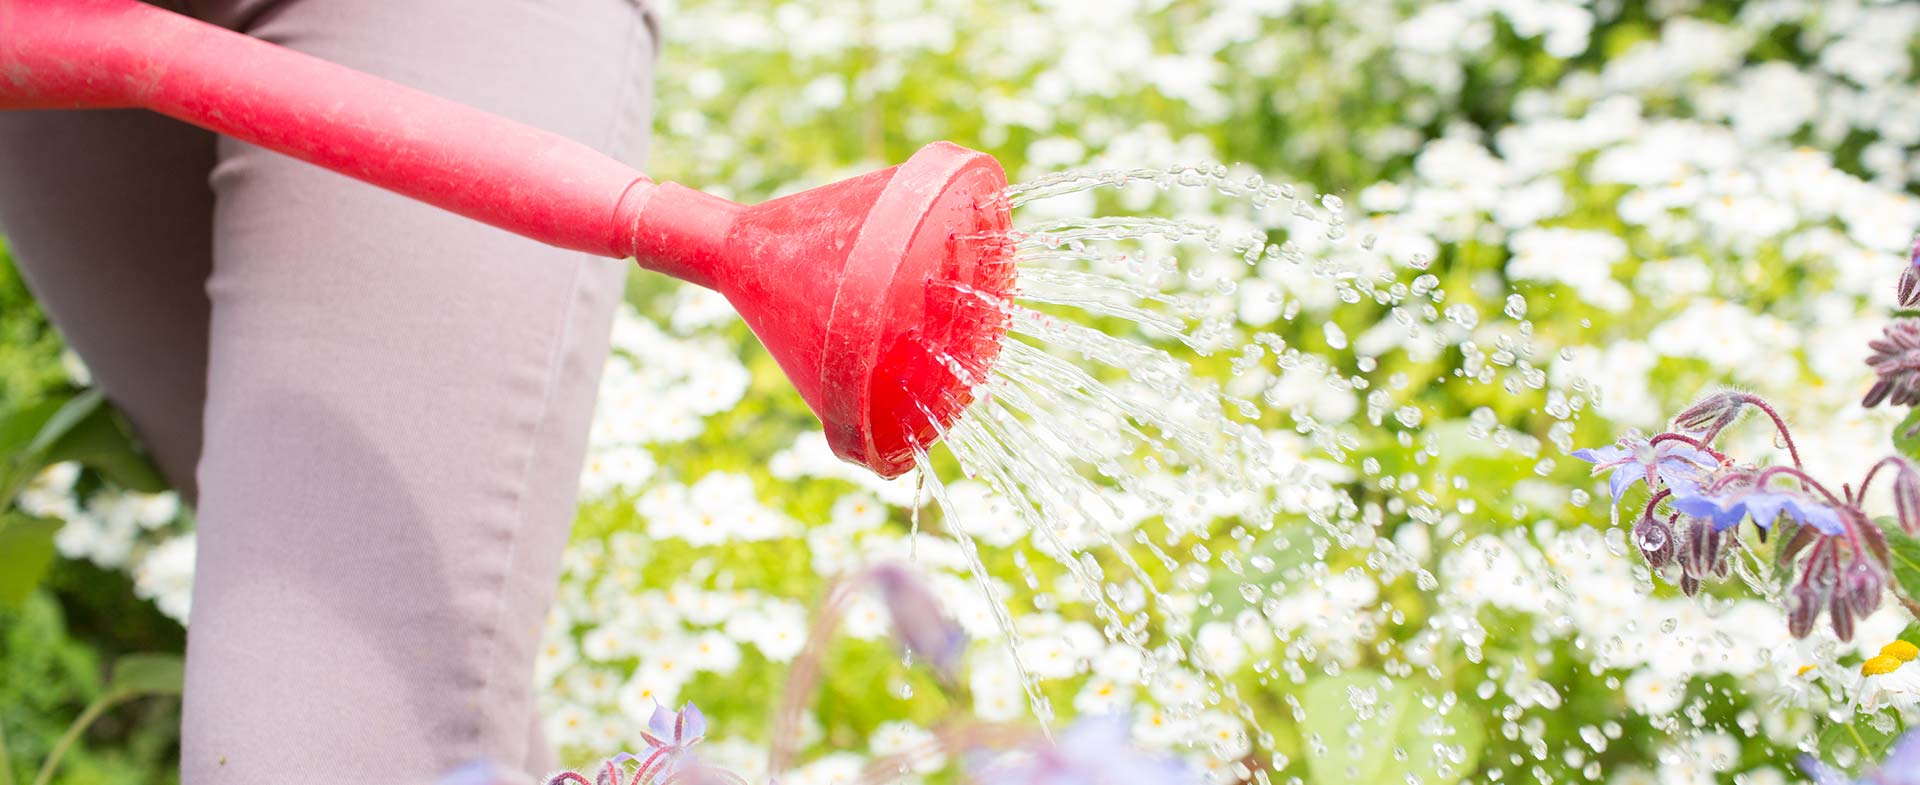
[{"x": 89, "y": 54}]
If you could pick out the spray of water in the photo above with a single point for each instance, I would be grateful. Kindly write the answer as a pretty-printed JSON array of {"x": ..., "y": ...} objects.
[{"x": 1159, "y": 452}]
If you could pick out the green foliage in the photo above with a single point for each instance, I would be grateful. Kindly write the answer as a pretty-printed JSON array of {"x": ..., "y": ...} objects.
[
  {"x": 26, "y": 551},
  {"x": 52, "y": 692},
  {"x": 83, "y": 429},
  {"x": 1904, "y": 552},
  {"x": 1366, "y": 727}
]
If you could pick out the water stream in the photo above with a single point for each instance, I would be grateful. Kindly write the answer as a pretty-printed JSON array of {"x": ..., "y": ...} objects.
[{"x": 1150, "y": 444}]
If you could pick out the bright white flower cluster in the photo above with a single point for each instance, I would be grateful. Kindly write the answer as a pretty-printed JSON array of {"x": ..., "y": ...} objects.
[{"x": 119, "y": 530}]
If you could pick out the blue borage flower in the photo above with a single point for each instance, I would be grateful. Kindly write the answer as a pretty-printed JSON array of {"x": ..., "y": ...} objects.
[
  {"x": 1700, "y": 497},
  {"x": 1727, "y": 507},
  {"x": 1900, "y": 767},
  {"x": 1092, "y": 751},
  {"x": 668, "y": 759},
  {"x": 1672, "y": 464}
]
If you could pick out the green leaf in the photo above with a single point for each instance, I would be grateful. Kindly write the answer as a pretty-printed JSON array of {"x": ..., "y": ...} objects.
[
  {"x": 26, "y": 551},
  {"x": 134, "y": 676},
  {"x": 1391, "y": 737},
  {"x": 75, "y": 411},
  {"x": 147, "y": 674},
  {"x": 90, "y": 432},
  {"x": 1905, "y": 553},
  {"x": 1864, "y": 740},
  {"x": 19, "y": 429},
  {"x": 1906, "y": 435}
]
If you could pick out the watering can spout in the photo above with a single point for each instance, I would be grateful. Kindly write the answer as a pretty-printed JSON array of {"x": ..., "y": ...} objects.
[{"x": 876, "y": 294}]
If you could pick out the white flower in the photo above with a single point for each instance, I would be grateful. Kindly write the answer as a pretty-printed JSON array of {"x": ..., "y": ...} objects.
[
  {"x": 1049, "y": 657},
  {"x": 1224, "y": 734},
  {"x": 1890, "y": 679},
  {"x": 837, "y": 768},
  {"x": 86, "y": 536},
  {"x": 1582, "y": 260},
  {"x": 165, "y": 575},
  {"x": 857, "y": 512},
  {"x": 1156, "y": 727},
  {"x": 50, "y": 493},
  {"x": 557, "y": 654},
  {"x": 1654, "y": 694},
  {"x": 910, "y": 740},
  {"x": 624, "y": 468},
  {"x": 569, "y": 725},
  {"x": 777, "y": 628},
  {"x": 639, "y": 696},
  {"x": 1175, "y": 687},
  {"x": 998, "y": 695},
  {"x": 1221, "y": 647},
  {"x": 1103, "y": 695},
  {"x": 714, "y": 652},
  {"x": 607, "y": 642}
]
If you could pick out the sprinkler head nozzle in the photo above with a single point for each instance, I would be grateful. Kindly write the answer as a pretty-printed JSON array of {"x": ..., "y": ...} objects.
[{"x": 879, "y": 295}]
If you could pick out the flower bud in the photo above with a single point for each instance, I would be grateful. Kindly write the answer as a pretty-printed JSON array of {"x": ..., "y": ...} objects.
[
  {"x": 1907, "y": 291},
  {"x": 1906, "y": 497},
  {"x": 1840, "y": 615},
  {"x": 1655, "y": 541},
  {"x": 1896, "y": 361},
  {"x": 1864, "y": 586},
  {"x": 1712, "y": 414},
  {"x": 1803, "y": 608}
]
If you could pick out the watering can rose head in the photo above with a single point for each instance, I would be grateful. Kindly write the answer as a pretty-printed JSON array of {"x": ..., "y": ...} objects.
[{"x": 876, "y": 294}]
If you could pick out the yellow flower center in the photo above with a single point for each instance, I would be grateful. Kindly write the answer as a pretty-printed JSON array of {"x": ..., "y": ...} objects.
[
  {"x": 1879, "y": 666},
  {"x": 1900, "y": 650},
  {"x": 1803, "y": 670}
]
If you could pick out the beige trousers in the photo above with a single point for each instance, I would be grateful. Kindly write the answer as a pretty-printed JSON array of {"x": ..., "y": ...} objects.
[{"x": 380, "y": 408}]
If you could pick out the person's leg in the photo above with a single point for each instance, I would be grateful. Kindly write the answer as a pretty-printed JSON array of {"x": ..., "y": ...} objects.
[
  {"x": 398, "y": 403},
  {"x": 109, "y": 217}
]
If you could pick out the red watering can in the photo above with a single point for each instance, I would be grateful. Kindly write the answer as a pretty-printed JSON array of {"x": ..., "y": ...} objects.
[{"x": 867, "y": 291}]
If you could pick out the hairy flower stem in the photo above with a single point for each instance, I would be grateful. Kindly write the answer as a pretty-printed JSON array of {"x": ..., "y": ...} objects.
[
  {"x": 1868, "y": 480},
  {"x": 1672, "y": 436},
  {"x": 1779, "y": 424},
  {"x": 1805, "y": 479}
]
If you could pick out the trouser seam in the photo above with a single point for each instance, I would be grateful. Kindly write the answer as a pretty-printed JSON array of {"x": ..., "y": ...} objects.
[{"x": 555, "y": 368}]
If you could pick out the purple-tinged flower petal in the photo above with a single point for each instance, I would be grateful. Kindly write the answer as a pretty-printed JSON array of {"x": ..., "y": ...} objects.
[
  {"x": 661, "y": 726},
  {"x": 1821, "y": 517},
  {"x": 1902, "y": 764},
  {"x": 1093, "y": 751},
  {"x": 1622, "y": 479},
  {"x": 1598, "y": 455},
  {"x": 920, "y": 620},
  {"x": 1821, "y": 773},
  {"x": 1722, "y": 513},
  {"x": 693, "y": 725},
  {"x": 1765, "y": 507}
]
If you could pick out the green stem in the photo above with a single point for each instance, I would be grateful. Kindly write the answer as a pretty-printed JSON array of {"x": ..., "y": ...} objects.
[
  {"x": 72, "y": 735},
  {"x": 1859, "y": 742}
]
